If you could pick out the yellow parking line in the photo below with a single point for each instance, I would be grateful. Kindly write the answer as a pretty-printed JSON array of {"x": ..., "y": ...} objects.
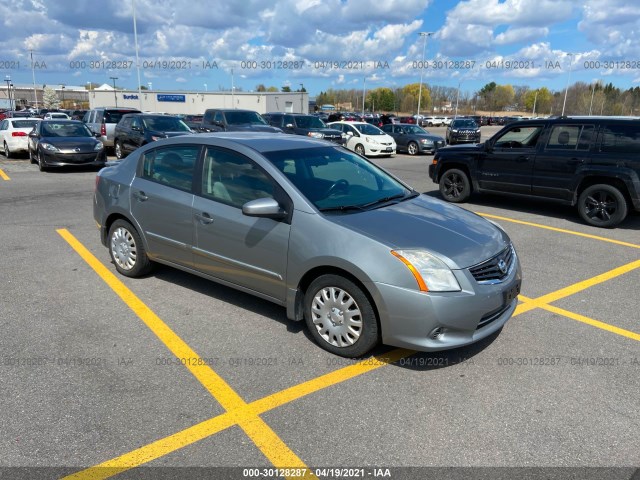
[
  {"x": 214, "y": 425},
  {"x": 561, "y": 230},
  {"x": 577, "y": 287},
  {"x": 260, "y": 433},
  {"x": 3, "y": 175},
  {"x": 587, "y": 320}
]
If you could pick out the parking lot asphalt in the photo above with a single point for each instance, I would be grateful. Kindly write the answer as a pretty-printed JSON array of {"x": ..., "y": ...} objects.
[{"x": 103, "y": 375}]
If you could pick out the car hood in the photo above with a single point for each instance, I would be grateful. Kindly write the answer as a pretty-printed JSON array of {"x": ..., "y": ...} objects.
[
  {"x": 460, "y": 238},
  {"x": 428, "y": 136},
  {"x": 67, "y": 143},
  {"x": 168, "y": 134},
  {"x": 253, "y": 128}
]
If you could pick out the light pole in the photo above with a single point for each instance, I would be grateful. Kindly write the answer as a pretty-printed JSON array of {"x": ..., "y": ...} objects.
[
  {"x": 566, "y": 90},
  {"x": 206, "y": 89},
  {"x": 233, "y": 87},
  {"x": 301, "y": 98},
  {"x": 364, "y": 92},
  {"x": 457, "y": 98},
  {"x": 150, "y": 85},
  {"x": 135, "y": 39},
  {"x": 424, "y": 47},
  {"x": 8, "y": 80},
  {"x": 535, "y": 99},
  {"x": 593, "y": 91},
  {"x": 62, "y": 91},
  {"x": 33, "y": 74},
  {"x": 115, "y": 95}
]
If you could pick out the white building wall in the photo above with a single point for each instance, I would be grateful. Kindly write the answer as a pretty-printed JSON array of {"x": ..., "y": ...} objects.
[{"x": 197, "y": 102}]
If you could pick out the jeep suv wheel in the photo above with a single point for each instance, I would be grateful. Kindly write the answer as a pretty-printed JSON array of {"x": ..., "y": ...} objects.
[{"x": 602, "y": 205}]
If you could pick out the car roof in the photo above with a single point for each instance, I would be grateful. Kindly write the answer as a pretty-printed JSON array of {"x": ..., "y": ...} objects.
[
  {"x": 259, "y": 141},
  {"x": 62, "y": 120}
]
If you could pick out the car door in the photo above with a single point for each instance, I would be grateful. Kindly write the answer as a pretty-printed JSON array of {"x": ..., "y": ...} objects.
[
  {"x": 136, "y": 133},
  {"x": 506, "y": 165},
  {"x": 162, "y": 201},
  {"x": 4, "y": 125},
  {"x": 246, "y": 251},
  {"x": 565, "y": 151}
]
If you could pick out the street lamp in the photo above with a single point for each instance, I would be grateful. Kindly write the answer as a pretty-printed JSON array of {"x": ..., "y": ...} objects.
[
  {"x": 568, "y": 79},
  {"x": 364, "y": 94},
  {"x": 115, "y": 95},
  {"x": 424, "y": 47},
  {"x": 62, "y": 90},
  {"x": 206, "y": 89},
  {"x": 457, "y": 98},
  {"x": 33, "y": 74},
  {"x": 535, "y": 99}
]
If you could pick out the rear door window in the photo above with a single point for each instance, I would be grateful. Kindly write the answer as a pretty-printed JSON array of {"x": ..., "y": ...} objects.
[
  {"x": 620, "y": 139},
  {"x": 173, "y": 166}
]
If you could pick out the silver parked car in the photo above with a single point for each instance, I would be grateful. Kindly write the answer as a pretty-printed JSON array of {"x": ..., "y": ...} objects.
[{"x": 342, "y": 244}]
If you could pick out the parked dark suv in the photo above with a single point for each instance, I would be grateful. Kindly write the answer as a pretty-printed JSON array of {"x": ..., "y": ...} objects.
[
  {"x": 592, "y": 163},
  {"x": 234, "y": 120},
  {"x": 137, "y": 129},
  {"x": 462, "y": 130},
  {"x": 307, "y": 125}
]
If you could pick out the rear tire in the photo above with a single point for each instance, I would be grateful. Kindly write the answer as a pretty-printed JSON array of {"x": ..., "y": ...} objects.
[
  {"x": 602, "y": 205},
  {"x": 455, "y": 186},
  {"x": 127, "y": 250},
  {"x": 340, "y": 316},
  {"x": 119, "y": 151},
  {"x": 7, "y": 153}
]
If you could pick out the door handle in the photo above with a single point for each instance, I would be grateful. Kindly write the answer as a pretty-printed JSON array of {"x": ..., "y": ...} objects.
[
  {"x": 522, "y": 159},
  {"x": 204, "y": 218},
  {"x": 575, "y": 161},
  {"x": 140, "y": 196}
]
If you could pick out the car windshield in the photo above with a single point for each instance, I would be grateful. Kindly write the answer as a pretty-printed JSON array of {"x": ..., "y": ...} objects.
[
  {"x": 413, "y": 129},
  {"x": 368, "y": 129},
  {"x": 335, "y": 179},
  {"x": 464, "y": 124},
  {"x": 165, "y": 124},
  {"x": 24, "y": 123},
  {"x": 309, "y": 122},
  {"x": 242, "y": 118},
  {"x": 58, "y": 115},
  {"x": 51, "y": 129}
]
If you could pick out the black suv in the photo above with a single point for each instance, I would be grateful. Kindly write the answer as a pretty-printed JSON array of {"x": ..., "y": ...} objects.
[
  {"x": 589, "y": 162},
  {"x": 233, "y": 120},
  {"x": 137, "y": 129},
  {"x": 462, "y": 130},
  {"x": 308, "y": 125}
]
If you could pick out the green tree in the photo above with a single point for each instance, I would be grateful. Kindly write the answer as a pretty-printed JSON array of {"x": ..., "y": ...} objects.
[
  {"x": 272, "y": 89},
  {"x": 261, "y": 88},
  {"x": 413, "y": 90},
  {"x": 50, "y": 98},
  {"x": 543, "y": 101},
  {"x": 286, "y": 88},
  {"x": 503, "y": 96}
]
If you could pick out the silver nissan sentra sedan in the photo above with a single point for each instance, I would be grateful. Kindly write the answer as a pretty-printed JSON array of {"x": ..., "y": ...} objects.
[{"x": 341, "y": 243}]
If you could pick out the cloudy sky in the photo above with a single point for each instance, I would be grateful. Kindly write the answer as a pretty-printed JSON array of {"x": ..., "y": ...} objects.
[{"x": 321, "y": 44}]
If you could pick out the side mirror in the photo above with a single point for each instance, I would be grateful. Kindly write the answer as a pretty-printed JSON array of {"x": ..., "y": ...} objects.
[
  {"x": 97, "y": 135},
  {"x": 263, "y": 207},
  {"x": 350, "y": 134},
  {"x": 289, "y": 125},
  {"x": 33, "y": 134},
  {"x": 136, "y": 128}
]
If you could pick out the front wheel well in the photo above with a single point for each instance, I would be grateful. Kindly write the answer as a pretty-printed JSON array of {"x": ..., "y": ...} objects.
[
  {"x": 595, "y": 180},
  {"x": 316, "y": 272}
]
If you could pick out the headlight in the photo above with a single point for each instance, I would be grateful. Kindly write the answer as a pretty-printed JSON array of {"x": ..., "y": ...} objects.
[
  {"x": 156, "y": 137},
  {"x": 430, "y": 272},
  {"x": 454, "y": 130},
  {"x": 370, "y": 140},
  {"x": 48, "y": 147},
  {"x": 426, "y": 142},
  {"x": 316, "y": 134},
  {"x": 98, "y": 146}
]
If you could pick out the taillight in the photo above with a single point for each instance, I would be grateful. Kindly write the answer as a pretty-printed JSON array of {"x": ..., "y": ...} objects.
[
  {"x": 103, "y": 130},
  {"x": 18, "y": 134}
]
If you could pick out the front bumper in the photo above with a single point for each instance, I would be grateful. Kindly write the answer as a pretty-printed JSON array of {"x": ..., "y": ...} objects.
[
  {"x": 440, "y": 321},
  {"x": 69, "y": 159}
]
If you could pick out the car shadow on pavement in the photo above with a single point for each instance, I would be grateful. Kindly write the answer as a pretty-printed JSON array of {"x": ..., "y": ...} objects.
[
  {"x": 226, "y": 294},
  {"x": 536, "y": 206}
]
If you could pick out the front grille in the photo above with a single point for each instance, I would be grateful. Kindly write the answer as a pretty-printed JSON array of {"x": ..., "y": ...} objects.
[
  {"x": 489, "y": 271},
  {"x": 492, "y": 317}
]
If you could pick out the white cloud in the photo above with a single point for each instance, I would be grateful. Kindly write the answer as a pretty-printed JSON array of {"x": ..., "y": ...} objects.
[
  {"x": 613, "y": 24},
  {"x": 520, "y": 35}
]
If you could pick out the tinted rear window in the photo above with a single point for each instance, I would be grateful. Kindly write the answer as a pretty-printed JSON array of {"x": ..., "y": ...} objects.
[
  {"x": 114, "y": 116},
  {"x": 621, "y": 139}
]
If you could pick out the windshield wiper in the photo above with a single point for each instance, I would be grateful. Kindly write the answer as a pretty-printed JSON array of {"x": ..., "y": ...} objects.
[
  {"x": 342, "y": 208},
  {"x": 399, "y": 196}
]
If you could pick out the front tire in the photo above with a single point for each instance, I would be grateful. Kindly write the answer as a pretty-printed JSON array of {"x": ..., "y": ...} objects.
[
  {"x": 41, "y": 166},
  {"x": 127, "y": 250},
  {"x": 340, "y": 316},
  {"x": 359, "y": 149},
  {"x": 602, "y": 206},
  {"x": 412, "y": 148},
  {"x": 32, "y": 160},
  {"x": 455, "y": 186}
]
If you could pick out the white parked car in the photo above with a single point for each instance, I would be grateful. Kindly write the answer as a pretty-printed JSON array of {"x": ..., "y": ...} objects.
[
  {"x": 366, "y": 139},
  {"x": 14, "y": 134},
  {"x": 56, "y": 116},
  {"x": 432, "y": 121}
]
